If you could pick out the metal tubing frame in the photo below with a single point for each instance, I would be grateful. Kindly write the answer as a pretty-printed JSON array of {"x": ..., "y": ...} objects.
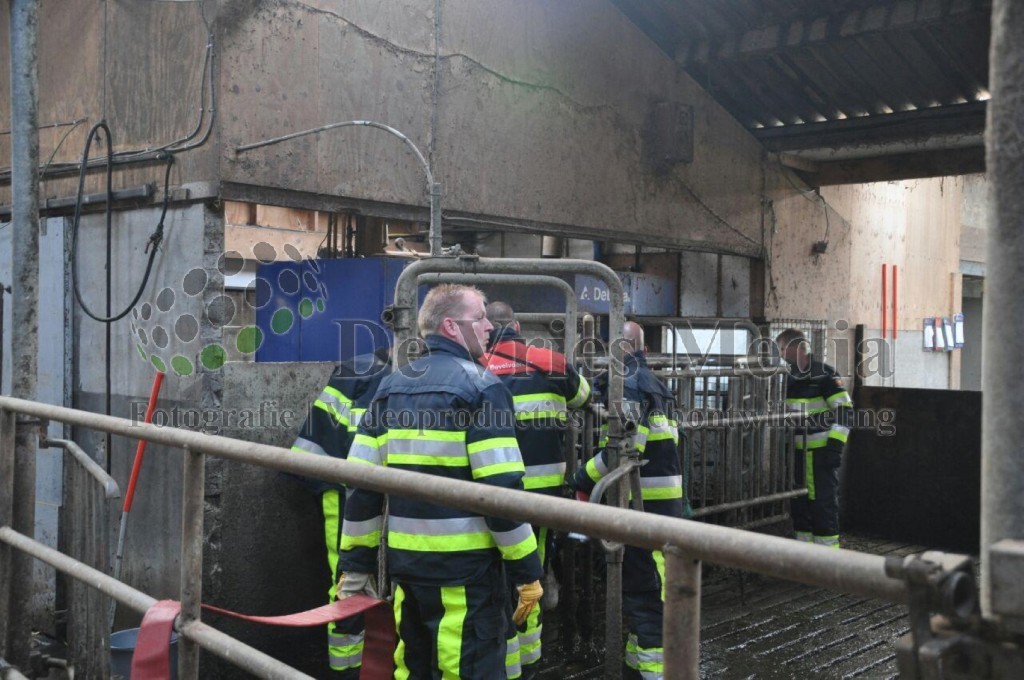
[
  {"x": 844, "y": 570},
  {"x": 738, "y": 505},
  {"x": 1002, "y": 486},
  {"x": 406, "y": 295},
  {"x": 110, "y": 487},
  {"x": 209, "y": 638},
  {"x": 24, "y": 24}
]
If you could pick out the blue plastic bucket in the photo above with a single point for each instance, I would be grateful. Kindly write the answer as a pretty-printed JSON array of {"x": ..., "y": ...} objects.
[{"x": 122, "y": 649}]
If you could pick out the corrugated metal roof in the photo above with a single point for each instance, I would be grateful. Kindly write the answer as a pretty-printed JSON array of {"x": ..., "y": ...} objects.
[{"x": 839, "y": 79}]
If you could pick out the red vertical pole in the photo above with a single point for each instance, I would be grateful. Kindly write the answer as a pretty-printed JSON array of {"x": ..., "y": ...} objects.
[
  {"x": 894, "y": 315},
  {"x": 140, "y": 450},
  {"x": 885, "y": 275}
]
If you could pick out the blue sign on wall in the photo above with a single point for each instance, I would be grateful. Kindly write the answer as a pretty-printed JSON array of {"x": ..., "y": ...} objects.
[{"x": 645, "y": 295}]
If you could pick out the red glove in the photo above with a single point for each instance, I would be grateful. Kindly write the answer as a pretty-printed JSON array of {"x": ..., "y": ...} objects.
[{"x": 583, "y": 496}]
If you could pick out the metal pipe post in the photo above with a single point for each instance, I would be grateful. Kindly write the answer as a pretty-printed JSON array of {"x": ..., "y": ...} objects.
[
  {"x": 7, "y": 419},
  {"x": 194, "y": 484},
  {"x": 681, "y": 622},
  {"x": 24, "y": 22},
  {"x": 435, "y": 215},
  {"x": 1002, "y": 457}
]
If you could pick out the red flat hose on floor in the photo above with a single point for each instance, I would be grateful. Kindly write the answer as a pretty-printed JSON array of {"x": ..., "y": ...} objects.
[{"x": 152, "y": 659}]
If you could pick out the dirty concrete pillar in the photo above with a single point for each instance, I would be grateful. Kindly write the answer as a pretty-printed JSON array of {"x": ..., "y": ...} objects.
[
  {"x": 1002, "y": 484},
  {"x": 25, "y": 297}
]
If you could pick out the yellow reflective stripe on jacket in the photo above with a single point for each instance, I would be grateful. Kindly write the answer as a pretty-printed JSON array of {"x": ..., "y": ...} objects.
[
  {"x": 662, "y": 428},
  {"x": 336, "y": 404},
  {"x": 808, "y": 406},
  {"x": 840, "y": 399},
  {"x": 495, "y": 456},
  {"x": 538, "y": 403},
  {"x": 439, "y": 535},
  {"x": 308, "y": 446},
  {"x": 639, "y": 438},
  {"x": 839, "y": 433},
  {"x": 812, "y": 441},
  {"x": 537, "y": 415},
  {"x": 364, "y": 534},
  {"x": 427, "y": 447},
  {"x": 516, "y": 543},
  {"x": 661, "y": 488},
  {"x": 357, "y": 416},
  {"x": 582, "y": 394},
  {"x": 544, "y": 476},
  {"x": 596, "y": 469},
  {"x": 367, "y": 449}
]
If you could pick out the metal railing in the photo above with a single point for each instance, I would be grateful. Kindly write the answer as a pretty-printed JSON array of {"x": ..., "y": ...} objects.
[{"x": 685, "y": 543}]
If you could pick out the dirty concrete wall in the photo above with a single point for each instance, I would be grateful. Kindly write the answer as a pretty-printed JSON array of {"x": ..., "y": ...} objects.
[
  {"x": 540, "y": 110},
  {"x": 265, "y": 550},
  {"x": 137, "y": 65},
  {"x": 176, "y": 317},
  {"x": 914, "y": 225},
  {"x": 52, "y": 387}
]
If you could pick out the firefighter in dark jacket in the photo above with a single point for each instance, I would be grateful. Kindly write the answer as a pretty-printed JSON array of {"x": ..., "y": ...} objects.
[
  {"x": 444, "y": 415},
  {"x": 648, "y": 402},
  {"x": 328, "y": 431},
  {"x": 543, "y": 386},
  {"x": 815, "y": 391}
]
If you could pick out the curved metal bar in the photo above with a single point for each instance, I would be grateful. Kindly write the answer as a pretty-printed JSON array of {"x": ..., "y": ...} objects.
[
  {"x": 110, "y": 487},
  {"x": 433, "y": 188}
]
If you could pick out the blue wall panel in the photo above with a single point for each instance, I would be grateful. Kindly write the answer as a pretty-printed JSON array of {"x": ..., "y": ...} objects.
[{"x": 324, "y": 310}]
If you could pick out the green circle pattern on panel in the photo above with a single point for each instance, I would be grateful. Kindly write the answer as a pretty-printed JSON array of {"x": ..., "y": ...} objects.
[
  {"x": 213, "y": 357},
  {"x": 182, "y": 365},
  {"x": 282, "y": 321},
  {"x": 249, "y": 339}
]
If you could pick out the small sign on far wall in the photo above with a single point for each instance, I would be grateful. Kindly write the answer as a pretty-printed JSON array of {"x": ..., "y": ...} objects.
[
  {"x": 943, "y": 333},
  {"x": 958, "y": 330},
  {"x": 929, "y": 334}
]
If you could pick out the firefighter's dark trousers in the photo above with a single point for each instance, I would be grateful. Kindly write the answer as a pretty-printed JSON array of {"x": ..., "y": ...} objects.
[
  {"x": 816, "y": 516},
  {"x": 454, "y": 631}
]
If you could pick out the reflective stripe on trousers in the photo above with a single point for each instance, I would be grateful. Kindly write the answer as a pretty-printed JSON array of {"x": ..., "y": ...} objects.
[{"x": 344, "y": 638}]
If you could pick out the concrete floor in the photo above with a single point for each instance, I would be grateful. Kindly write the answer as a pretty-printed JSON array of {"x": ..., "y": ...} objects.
[{"x": 758, "y": 627}]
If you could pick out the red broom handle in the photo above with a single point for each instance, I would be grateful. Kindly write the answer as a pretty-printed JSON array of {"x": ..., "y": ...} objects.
[{"x": 129, "y": 496}]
